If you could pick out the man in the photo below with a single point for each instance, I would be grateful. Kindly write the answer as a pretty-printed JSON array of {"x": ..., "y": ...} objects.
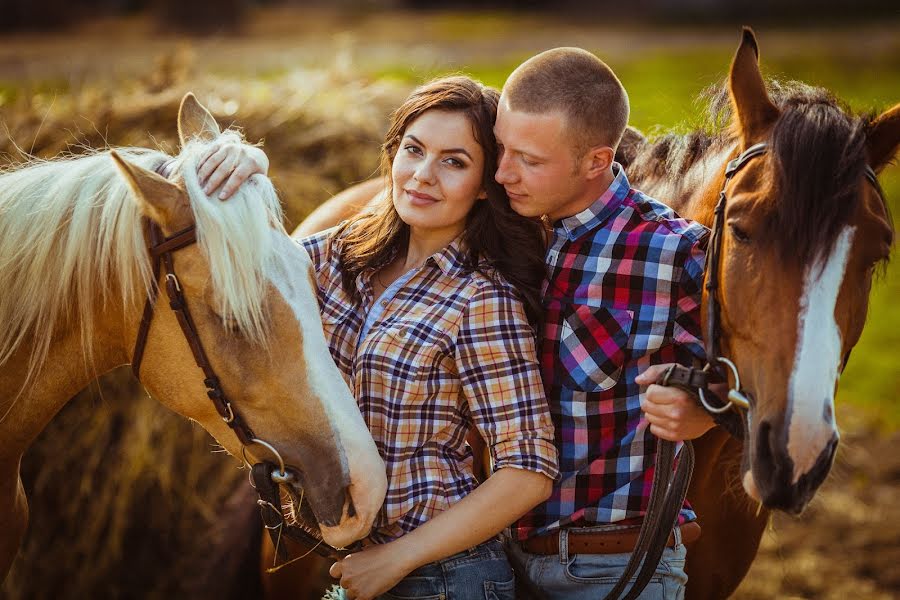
[
  {"x": 622, "y": 300},
  {"x": 623, "y": 294}
]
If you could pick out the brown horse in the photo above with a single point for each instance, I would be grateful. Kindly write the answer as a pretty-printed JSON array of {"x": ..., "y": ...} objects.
[
  {"x": 803, "y": 230},
  {"x": 75, "y": 274}
]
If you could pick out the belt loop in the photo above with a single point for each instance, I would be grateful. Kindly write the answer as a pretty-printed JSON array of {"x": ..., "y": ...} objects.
[
  {"x": 563, "y": 546},
  {"x": 677, "y": 534}
]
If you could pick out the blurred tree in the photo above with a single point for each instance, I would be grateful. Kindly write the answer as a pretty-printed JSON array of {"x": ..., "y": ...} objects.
[
  {"x": 202, "y": 16},
  {"x": 32, "y": 14}
]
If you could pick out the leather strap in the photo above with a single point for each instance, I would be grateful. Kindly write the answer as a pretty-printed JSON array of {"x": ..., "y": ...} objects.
[
  {"x": 587, "y": 541},
  {"x": 671, "y": 478}
]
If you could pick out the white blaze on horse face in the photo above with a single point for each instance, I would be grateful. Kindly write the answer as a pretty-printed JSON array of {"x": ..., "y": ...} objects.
[
  {"x": 368, "y": 481},
  {"x": 818, "y": 358}
]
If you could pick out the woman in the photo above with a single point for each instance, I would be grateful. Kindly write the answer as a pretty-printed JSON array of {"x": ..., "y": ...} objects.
[{"x": 430, "y": 303}]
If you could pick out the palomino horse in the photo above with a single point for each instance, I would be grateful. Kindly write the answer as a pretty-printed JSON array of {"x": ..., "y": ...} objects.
[
  {"x": 803, "y": 229},
  {"x": 75, "y": 271}
]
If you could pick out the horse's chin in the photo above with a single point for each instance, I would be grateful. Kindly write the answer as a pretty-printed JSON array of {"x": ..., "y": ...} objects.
[{"x": 353, "y": 526}]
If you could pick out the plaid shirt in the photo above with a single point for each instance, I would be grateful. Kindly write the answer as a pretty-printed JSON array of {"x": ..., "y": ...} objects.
[
  {"x": 623, "y": 293},
  {"x": 451, "y": 350}
]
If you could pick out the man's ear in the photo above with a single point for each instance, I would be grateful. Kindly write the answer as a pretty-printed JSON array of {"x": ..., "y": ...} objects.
[{"x": 597, "y": 161}]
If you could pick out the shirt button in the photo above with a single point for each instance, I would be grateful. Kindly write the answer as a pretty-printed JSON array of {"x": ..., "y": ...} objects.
[{"x": 384, "y": 302}]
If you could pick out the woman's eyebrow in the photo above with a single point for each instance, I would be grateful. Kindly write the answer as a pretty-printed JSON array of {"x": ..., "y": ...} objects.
[{"x": 462, "y": 151}]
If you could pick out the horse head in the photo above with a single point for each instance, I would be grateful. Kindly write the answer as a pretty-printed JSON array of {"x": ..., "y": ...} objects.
[
  {"x": 802, "y": 232},
  {"x": 251, "y": 294}
]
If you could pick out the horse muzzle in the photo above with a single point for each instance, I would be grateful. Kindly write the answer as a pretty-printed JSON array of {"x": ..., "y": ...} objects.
[{"x": 772, "y": 479}]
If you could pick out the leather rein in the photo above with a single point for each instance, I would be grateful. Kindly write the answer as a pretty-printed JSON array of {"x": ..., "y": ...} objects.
[
  {"x": 670, "y": 484},
  {"x": 265, "y": 476}
]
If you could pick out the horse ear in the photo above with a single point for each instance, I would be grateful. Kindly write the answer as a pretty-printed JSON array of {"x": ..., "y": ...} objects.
[
  {"x": 195, "y": 121},
  {"x": 159, "y": 199},
  {"x": 754, "y": 109},
  {"x": 883, "y": 137}
]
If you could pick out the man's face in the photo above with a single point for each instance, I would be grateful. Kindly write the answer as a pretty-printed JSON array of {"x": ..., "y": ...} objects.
[{"x": 537, "y": 163}]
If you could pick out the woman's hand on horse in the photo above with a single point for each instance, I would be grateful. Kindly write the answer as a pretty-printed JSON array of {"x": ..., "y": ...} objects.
[
  {"x": 230, "y": 163},
  {"x": 673, "y": 413},
  {"x": 367, "y": 574}
]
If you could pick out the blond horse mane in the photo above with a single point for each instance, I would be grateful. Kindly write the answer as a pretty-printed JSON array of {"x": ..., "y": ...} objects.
[{"x": 71, "y": 241}]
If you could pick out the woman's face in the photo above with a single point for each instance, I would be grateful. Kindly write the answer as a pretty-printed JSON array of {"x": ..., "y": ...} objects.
[{"x": 437, "y": 173}]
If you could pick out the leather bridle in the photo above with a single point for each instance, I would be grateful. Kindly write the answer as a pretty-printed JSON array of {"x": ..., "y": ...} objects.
[
  {"x": 265, "y": 476},
  {"x": 712, "y": 371}
]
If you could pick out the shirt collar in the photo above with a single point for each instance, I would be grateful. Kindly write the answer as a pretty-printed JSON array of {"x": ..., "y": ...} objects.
[
  {"x": 599, "y": 211},
  {"x": 451, "y": 258}
]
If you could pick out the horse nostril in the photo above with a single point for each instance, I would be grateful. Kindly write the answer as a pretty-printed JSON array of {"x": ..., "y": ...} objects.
[
  {"x": 765, "y": 453},
  {"x": 351, "y": 510}
]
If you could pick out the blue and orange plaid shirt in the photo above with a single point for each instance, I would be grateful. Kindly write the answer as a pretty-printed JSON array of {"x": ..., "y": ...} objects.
[
  {"x": 623, "y": 292},
  {"x": 442, "y": 350}
]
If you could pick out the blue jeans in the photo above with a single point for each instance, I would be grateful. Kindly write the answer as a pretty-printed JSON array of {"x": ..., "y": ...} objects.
[
  {"x": 479, "y": 573},
  {"x": 592, "y": 576}
]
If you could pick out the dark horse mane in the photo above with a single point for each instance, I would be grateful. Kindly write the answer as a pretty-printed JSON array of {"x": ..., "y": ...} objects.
[{"x": 818, "y": 153}]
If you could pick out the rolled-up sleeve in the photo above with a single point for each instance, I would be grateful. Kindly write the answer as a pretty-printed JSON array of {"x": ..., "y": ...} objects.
[{"x": 501, "y": 381}]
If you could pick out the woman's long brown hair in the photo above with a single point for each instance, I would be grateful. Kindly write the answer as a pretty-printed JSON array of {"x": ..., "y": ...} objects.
[{"x": 512, "y": 245}]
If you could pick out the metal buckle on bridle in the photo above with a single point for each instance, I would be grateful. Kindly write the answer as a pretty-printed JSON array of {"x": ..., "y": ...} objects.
[
  {"x": 174, "y": 279},
  {"x": 281, "y": 475},
  {"x": 230, "y": 417},
  {"x": 735, "y": 396}
]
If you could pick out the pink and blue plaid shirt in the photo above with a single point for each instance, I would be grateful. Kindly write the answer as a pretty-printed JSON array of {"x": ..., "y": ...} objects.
[
  {"x": 442, "y": 350},
  {"x": 623, "y": 293}
]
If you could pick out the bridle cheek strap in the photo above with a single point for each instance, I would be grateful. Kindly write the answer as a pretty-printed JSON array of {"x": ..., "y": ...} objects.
[
  {"x": 264, "y": 475},
  {"x": 161, "y": 249}
]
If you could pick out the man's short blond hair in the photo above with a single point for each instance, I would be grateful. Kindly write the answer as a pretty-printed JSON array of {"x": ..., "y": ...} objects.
[{"x": 581, "y": 87}]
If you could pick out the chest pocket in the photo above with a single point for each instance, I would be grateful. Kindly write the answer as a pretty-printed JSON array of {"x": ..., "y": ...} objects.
[{"x": 593, "y": 345}]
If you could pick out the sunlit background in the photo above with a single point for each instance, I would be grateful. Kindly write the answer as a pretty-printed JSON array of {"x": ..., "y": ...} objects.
[{"x": 127, "y": 500}]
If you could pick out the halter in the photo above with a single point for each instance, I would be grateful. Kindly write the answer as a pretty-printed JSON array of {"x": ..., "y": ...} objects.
[{"x": 265, "y": 476}]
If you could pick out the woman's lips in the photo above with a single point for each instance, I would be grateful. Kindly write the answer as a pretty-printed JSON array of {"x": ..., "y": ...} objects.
[{"x": 420, "y": 199}]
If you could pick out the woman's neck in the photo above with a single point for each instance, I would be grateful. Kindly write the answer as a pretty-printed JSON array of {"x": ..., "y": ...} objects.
[{"x": 423, "y": 244}]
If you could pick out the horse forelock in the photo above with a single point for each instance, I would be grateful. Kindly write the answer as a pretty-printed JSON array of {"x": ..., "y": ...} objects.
[
  {"x": 71, "y": 242},
  {"x": 236, "y": 236},
  {"x": 818, "y": 157}
]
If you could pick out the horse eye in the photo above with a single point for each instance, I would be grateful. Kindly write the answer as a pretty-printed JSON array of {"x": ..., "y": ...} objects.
[{"x": 739, "y": 234}]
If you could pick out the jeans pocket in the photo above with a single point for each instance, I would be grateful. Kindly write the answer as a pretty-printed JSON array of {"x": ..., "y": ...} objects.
[
  {"x": 606, "y": 569},
  {"x": 500, "y": 590},
  {"x": 416, "y": 588}
]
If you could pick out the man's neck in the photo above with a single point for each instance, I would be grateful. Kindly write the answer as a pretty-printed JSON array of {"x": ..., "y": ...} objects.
[{"x": 593, "y": 189}]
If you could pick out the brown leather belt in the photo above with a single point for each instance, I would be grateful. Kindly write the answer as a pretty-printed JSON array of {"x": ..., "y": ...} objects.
[{"x": 587, "y": 541}]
